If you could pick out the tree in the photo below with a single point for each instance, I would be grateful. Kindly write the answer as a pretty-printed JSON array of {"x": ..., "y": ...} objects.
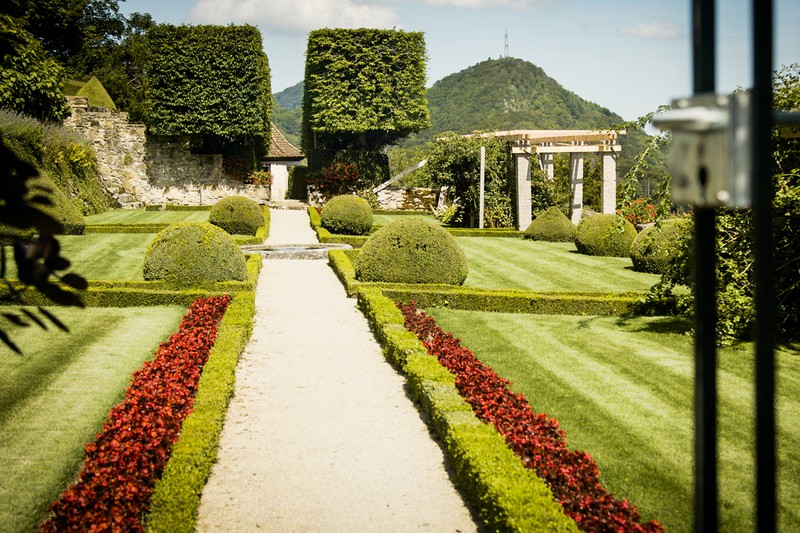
[
  {"x": 77, "y": 32},
  {"x": 30, "y": 80},
  {"x": 454, "y": 162},
  {"x": 123, "y": 69},
  {"x": 735, "y": 283},
  {"x": 363, "y": 90},
  {"x": 211, "y": 83}
]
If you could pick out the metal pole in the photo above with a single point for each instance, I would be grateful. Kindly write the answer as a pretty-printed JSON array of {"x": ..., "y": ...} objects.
[
  {"x": 764, "y": 267},
  {"x": 483, "y": 183},
  {"x": 704, "y": 81}
]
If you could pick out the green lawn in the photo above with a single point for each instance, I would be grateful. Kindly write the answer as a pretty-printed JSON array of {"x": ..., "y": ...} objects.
[
  {"x": 101, "y": 256},
  {"x": 138, "y": 216},
  {"x": 503, "y": 263},
  {"x": 382, "y": 220},
  {"x": 55, "y": 397},
  {"x": 623, "y": 388}
]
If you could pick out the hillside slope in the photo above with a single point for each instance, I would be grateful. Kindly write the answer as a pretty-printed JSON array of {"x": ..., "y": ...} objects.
[{"x": 509, "y": 93}]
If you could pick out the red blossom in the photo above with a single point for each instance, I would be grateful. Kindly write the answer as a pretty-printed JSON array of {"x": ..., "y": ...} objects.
[
  {"x": 129, "y": 454},
  {"x": 572, "y": 476}
]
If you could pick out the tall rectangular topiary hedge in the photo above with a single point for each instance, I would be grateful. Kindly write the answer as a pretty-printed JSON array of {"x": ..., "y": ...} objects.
[
  {"x": 363, "y": 88},
  {"x": 212, "y": 83}
]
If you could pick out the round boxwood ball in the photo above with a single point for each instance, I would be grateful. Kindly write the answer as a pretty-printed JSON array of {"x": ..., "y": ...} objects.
[
  {"x": 194, "y": 254},
  {"x": 347, "y": 215},
  {"x": 552, "y": 226},
  {"x": 412, "y": 250},
  {"x": 237, "y": 215},
  {"x": 605, "y": 234},
  {"x": 654, "y": 247}
]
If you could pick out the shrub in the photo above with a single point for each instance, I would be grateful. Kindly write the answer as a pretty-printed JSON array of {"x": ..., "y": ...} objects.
[
  {"x": 193, "y": 254},
  {"x": 412, "y": 250},
  {"x": 552, "y": 226},
  {"x": 605, "y": 234},
  {"x": 96, "y": 94},
  {"x": 237, "y": 215},
  {"x": 347, "y": 214},
  {"x": 60, "y": 208},
  {"x": 655, "y": 246}
]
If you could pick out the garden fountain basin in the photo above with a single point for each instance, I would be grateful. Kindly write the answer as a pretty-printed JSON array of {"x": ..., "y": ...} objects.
[{"x": 294, "y": 251}]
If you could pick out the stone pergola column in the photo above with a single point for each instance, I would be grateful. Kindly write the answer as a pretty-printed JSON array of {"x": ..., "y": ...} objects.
[
  {"x": 523, "y": 164},
  {"x": 576, "y": 183},
  {"x": 608, "y": 192},
  {"x": 546, "y": 163}
]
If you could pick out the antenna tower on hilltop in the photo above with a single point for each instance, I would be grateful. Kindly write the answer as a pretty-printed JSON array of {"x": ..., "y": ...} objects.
[{"x": 505, "y": 49}]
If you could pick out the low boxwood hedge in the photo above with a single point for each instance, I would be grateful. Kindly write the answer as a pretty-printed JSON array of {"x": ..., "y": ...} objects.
[
  {"x": 131, "y": 293},
  {"x": 176, "y": 496},
  {"x": 499, "y": 301},
  {"x": 502, "y": 493}
]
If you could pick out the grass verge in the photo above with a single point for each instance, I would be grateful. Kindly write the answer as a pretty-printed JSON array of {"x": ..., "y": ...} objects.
[
  {"x": 623, "y": 388},
  {"x": 55, "y": 397}
]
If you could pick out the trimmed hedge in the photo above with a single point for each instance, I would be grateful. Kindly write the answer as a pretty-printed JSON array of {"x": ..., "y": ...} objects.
[
  {"x": 501, "y": 492},
  {"x": 194, "y": 254},
  {"x": 237, "y": 215},
  {"x": 176, "y": 496},
  {"x": 605, "y": 235},
  {"x": 139, "y": 293},
  {"x": 412, "y": 250},
  {"x": 655, "y": 246},
  {"x": 347, "y": 214},
  {"x": 210, "y": 82},
  {"x": 551, "y": 226},
  {"x": 96, "y": 94},
  {"x": 499, "y": 301}
]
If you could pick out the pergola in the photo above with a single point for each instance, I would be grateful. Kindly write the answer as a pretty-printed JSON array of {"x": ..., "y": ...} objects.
[{"x": 544, "y": 144}]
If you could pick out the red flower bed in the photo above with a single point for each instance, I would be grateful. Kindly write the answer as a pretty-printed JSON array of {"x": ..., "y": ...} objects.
[
  {"x": 122, "y": 465},
  {"x": 572, "y": 476}
]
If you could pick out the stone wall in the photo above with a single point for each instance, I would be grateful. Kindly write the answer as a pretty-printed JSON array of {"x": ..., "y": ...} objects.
[
  {"x": 412, "y": 198},
  {"x": 139, "y": 169}
]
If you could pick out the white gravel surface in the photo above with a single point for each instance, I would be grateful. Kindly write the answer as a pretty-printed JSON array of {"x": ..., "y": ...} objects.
[{"x": 320, "y": 435}]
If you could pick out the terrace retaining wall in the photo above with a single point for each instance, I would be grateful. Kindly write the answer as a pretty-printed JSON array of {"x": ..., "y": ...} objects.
[{"x": 138, "y": 169}]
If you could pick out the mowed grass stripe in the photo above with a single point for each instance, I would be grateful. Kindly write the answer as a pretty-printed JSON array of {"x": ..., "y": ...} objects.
[
  {"x": 587, "y": 398},
  {"x": 637, "y": 447},
  {"x": 42, "y": 440},
  {"x": 502, "y": 263},
  {"x": 137, "y": 216},
  {"x": 114, "y": 256},
  {"x": 23, "y": 376},
  {"x": 383, "y": 220}
]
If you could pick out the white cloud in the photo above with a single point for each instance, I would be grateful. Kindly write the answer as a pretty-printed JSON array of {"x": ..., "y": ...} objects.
[
  {"x": 655, "y": 30},
  {"x": 477, "y": 4},
  {"x": 296, "y": 15}
]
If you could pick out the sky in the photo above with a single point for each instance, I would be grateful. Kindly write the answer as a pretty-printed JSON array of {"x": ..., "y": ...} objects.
[{"x": 629, "y": 56}]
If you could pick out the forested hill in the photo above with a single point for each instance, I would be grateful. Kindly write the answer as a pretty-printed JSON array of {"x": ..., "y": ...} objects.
[
  {"x": 509, "y": 93},
  {"x": 291, "y": 97}
]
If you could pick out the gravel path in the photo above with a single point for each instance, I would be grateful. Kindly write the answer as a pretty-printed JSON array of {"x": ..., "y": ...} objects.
[{"x": 319, "y": 435}]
